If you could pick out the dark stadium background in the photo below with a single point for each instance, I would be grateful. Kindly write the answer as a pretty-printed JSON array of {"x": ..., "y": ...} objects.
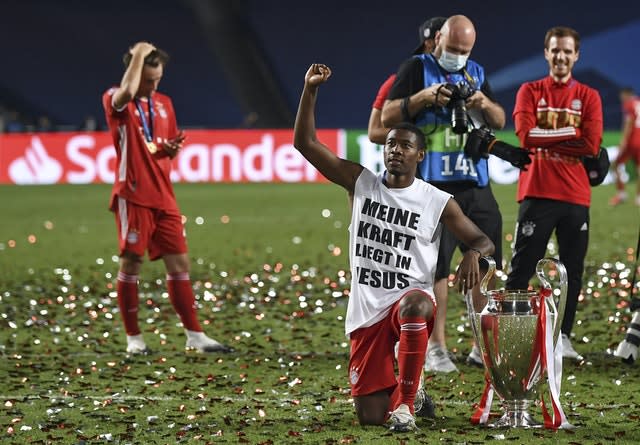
[{"x": 234, "y": 58}]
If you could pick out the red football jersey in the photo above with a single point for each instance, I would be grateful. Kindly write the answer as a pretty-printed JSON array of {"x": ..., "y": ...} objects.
[
  {"x": 142, "y": 177},
  {"x": 562, "y": 122},
  {"x": 383, "y": 92},
  {"x": 631, "y": 110}
]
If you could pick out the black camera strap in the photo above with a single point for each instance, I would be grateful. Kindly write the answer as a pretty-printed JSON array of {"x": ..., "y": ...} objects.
[
  {"x": 436, "y": 123},
  {"x": 447, "y": 75}
]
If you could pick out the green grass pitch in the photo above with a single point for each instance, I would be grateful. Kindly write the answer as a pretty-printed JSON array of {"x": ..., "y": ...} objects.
[{"x": 269, "y": 267}]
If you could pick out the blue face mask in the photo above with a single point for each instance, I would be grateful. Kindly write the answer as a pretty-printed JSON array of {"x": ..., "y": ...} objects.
[{"x": 452, "y": 62}]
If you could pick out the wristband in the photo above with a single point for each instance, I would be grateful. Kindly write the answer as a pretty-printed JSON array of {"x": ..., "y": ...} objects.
[
  {"x": 404, "y": 107},
  {"x": 476, "y": 250}
]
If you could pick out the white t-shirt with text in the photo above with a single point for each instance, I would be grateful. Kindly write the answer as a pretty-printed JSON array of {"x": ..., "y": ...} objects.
[{"x": 393, "y": 245}]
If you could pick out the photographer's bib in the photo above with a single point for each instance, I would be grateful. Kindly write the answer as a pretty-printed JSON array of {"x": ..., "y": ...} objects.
[{"x": 445, "y": 160}]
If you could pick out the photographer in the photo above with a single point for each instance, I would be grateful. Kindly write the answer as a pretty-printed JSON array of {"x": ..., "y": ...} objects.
[{"x": 426, "y": 89}]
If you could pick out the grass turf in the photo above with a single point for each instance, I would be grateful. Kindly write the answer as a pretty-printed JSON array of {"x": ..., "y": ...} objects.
[{"x": 269, "y": 268}]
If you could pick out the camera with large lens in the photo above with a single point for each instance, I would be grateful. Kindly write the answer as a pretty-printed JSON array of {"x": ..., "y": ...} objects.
[
  {"x": 460, "y": 92},
  {"x": 478, "y": 142},
  {"x": 481, "y": 142}
]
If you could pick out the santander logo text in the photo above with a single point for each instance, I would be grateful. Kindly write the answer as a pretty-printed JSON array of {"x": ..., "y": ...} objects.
[
  {"x": 88, "y": 164},
  {"x": 262, "y": 161},
  {"x": 208, "y": 156},
  {"x": 35, "y": 166}
]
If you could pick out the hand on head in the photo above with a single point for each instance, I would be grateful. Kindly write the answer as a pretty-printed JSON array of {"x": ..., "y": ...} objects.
[
  {"x": 317, "y": 74},
  {"x": 142, "y": 48}
]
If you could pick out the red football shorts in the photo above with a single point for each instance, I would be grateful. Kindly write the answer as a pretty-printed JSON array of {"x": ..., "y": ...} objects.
[
  {"x": 142, "y": 228},
  {"x": 372, "y": 361}
]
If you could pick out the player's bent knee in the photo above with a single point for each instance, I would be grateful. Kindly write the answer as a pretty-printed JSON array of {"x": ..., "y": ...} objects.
[{"x": 416, "y": 304}]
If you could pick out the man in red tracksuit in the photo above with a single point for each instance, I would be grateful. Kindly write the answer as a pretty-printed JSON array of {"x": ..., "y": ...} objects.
[{"x": 561, "y": 119}]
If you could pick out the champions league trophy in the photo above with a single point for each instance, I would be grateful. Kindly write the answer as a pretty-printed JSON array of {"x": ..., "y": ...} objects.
[{"x": 517, "y": 333}]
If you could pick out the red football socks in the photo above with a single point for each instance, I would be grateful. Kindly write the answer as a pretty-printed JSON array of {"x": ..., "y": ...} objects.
[
  {"x": 127, "y": 289},
  {"x": 411, "y": 355},
  {"x": 183, "y": 300}
]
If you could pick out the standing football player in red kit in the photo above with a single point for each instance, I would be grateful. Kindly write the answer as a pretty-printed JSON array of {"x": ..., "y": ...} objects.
[{"x": 146, "y": 138}]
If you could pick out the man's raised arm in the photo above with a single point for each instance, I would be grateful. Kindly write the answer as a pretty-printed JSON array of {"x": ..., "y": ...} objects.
[
  {"x": 337, "y": 170},
  {"x": 132, "y": 75}
]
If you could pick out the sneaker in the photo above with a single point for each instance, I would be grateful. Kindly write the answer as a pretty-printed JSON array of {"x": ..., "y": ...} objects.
[
  {"x": 474, "y": 358},
  {"x": 136, "y": 345},
  {"x": 438, "y": 360},
  {"x": 567, "y": 349},
  {"x": 618, "y": 199},
  {"x": 423, "y": 405},
  {"x": 201, "y": 343},
  {"x": 402, "y": 420}
]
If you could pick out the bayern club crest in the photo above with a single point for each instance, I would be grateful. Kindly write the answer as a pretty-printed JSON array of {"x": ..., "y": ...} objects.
[
  {"x": 528, "y": 228},
  {"x": 132, "y": 237},
  {"x": 354, "y": 375}
]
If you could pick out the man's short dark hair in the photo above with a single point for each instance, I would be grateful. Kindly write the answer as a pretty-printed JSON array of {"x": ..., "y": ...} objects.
[
  {"x": 562, "y": 31},
  {"x": 155, "y": 58},
  {"x": 422, "y": 143}
]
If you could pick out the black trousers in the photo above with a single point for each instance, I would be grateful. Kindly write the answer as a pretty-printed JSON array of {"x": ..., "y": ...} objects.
[
  {"x": 537, "y": 220},
  {"x": 481, "y": 207}
]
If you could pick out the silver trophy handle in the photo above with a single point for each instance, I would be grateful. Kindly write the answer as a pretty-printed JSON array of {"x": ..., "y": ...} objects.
[
  {"x": 490, "y": 272},
  {"x": 471, "y": 313},
  {"x": 562, "y": 298},
  {"x": 484, "y": 284}
]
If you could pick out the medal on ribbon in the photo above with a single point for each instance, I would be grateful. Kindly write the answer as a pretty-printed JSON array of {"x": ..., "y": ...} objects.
[{"x": 147, "y": 127}]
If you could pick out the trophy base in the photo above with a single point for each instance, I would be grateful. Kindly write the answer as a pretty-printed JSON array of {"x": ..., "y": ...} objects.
[{"x": 516, "y": 419}]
